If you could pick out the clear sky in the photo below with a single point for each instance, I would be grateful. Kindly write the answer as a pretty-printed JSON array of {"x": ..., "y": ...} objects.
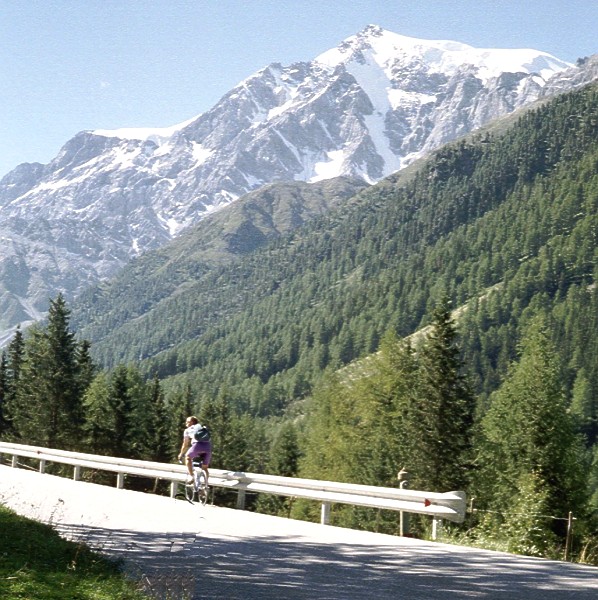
[{"x": 70, "y": 65}]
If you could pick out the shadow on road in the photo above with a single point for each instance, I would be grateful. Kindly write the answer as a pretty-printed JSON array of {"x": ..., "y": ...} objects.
[{"x": 190, "y": 565}]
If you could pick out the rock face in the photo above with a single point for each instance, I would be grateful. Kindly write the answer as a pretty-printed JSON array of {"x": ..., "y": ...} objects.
[{"x": 364, "y": 109}]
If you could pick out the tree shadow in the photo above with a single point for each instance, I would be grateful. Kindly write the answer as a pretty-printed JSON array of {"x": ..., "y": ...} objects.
[{"x": 189, "y": 565}]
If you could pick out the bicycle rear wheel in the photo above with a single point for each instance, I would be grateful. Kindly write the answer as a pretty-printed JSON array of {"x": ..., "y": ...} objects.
[{"x": 201, "y": 485}]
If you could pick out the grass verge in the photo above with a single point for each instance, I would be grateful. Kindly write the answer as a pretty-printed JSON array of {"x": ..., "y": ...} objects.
[{"x": 37, "y": 564}]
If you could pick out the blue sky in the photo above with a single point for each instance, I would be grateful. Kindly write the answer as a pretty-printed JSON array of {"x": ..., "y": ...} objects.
[{"x": 70, "y": 65}]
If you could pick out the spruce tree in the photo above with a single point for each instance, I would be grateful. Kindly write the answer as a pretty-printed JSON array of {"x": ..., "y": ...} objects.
[
  {"x": 121, "y": 404},
  {"x": 284, "y": 461},
  {"x": 15, "y": 357},
  {"x": 4, "y": 423},
  {"x": 441, "y": 418},
  {"x": 158, "y": 441},
  {"x": 48, "y": 398},
  {"x": 528, "y": 432},
  {"x": 86, "y": 369},
  {"x": 99, "y": 423}
]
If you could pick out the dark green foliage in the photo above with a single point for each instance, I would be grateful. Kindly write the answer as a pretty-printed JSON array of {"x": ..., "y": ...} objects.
[
  {"x": 158, "y": 441},
  {"x": 52, "y": 394},
  {"x": 399, "y": 409},
  {"x": 483, "y": 217},
  {"x": 283, "y": 460},
  {"x": 531, "y": 460},
  {"x": 4, "y": 422},
  {"x": 99, "y": 427},
  {"x": 12, "y": 375},
  {"x": 47, "y": 404},
  {"x": 441, "y": 420}
]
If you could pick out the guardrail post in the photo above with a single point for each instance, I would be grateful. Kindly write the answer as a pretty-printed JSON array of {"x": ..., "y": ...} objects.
[
  {"x": 241, "y": 500},
  {"x": 174, "y": 487},
  {"x": 77, "y": 473},
  {"x": 42, "y": 466},
  {"x": 325, "y": 513},
  {"x": 403, "y": 477},
  {"x": 120, "y": 481},
  {"x": 13, "y": 461},
  {"x": 436, "y": 526}
]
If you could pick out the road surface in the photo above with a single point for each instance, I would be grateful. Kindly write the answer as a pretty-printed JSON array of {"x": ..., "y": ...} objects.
[{"x": 196, "y": 552}]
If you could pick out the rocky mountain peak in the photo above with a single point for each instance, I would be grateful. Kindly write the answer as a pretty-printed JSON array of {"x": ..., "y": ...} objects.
[{"x": 364, "y": 109}]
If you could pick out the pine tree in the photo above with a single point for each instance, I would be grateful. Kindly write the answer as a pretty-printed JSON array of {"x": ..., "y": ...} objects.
[
  {"x": 99, "y": 424},
  {"x": 121, "y": 403},
  {"x": 48, "y": 398},
  {"x": 86, "y": 368},
  {"x": 217, "y": 415},
  {"x": 391, "y": 393},
  {"x": 14, "y": 365},
  {"x": 441, "y": 418},
  {"x": 528, "y": 432},
  {"x": 284, "y": 452},
  {"x": 284, "y": 461},
  {"x": 4, "y": 422},
  {"x": 159, "y": 441}
]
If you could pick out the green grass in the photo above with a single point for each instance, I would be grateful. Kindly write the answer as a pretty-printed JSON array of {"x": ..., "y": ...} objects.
[{"x": 36, "y": 563}]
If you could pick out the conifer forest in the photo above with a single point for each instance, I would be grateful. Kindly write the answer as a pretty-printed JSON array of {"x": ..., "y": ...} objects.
[{"x": 443, "y": 321}]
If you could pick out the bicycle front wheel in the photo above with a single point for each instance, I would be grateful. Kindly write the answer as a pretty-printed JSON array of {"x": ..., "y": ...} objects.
[{"x": 189, "y": 491}]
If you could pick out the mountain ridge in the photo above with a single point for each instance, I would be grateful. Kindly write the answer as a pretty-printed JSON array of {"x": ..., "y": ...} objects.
[
  {"x": 106, "y": 199},
  {"x": 472, "y": 217}
]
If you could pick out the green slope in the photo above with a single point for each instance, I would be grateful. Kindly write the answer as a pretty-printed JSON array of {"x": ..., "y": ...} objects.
[{"x": 516, "y": 208}]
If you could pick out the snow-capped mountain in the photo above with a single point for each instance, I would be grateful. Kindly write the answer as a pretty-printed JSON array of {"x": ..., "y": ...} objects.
[{"x": 366, "y": 108}]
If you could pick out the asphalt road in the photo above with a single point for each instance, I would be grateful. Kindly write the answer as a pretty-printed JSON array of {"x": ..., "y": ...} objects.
[{"x": 185, "y": 551}]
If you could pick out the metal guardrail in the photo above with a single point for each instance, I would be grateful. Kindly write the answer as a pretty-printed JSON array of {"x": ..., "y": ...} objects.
[{"x": 449, "y": 505}]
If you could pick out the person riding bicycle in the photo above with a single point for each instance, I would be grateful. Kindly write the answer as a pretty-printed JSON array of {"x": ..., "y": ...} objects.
[{"x": 192, "y": 448}]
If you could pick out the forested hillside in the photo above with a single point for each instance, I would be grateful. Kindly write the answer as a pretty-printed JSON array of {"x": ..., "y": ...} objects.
[
  {"x": 510, "y": 218},
  {"x": 301, "y": 354}
]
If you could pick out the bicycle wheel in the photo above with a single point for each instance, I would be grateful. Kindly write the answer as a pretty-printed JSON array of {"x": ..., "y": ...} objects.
[
  {"x": 189, "y": 491},
  {"x": 201, "y": 485}
]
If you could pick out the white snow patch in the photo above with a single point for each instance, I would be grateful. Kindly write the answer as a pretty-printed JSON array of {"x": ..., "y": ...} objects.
[
  {"x": 49, "y": 186},
  {"x": 173, "y": 226},
  {"x": 398, "y": 98},
  {"x": 123, "y": 158},
  {"x": 444, "y": 56},
  {"x": 159, "y": 135},
  {"x": 375, "y": 83},
  {"x": 200, "y": 153},
  {"x": 330, "y": 168}
]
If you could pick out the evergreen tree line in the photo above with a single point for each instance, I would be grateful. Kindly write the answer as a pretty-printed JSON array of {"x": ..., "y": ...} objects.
[
  {"x": 521, "y": 455},
  {"x": 482, "y": 215},
  {"x": 270, "y": 350},
  {"x": 52, "y": 394}
]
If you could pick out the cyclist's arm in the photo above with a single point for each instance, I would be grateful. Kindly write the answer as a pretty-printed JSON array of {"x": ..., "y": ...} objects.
[{"x": 184, "y": 447}]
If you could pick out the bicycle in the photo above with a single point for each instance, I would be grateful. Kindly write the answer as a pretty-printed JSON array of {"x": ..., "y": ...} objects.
[{"x": 199, "y": 486}]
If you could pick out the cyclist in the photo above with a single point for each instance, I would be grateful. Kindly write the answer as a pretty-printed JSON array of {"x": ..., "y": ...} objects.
[{"x": 191, "y": 448}]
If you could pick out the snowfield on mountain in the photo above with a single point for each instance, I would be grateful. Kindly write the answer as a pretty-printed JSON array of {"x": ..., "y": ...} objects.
[{"x": 365, "y": 109}]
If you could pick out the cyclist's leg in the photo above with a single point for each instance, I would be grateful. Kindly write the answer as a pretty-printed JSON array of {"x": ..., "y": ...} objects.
[
  {"x": 189, "y": 463},
  {"x": 206, "y": 449},
  {"x": 192, "y": 453},
  {"x": 201, "y": 467}
]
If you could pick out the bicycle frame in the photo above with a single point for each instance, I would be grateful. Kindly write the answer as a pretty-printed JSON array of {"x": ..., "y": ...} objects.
[{"x": 199, "y": 487}]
